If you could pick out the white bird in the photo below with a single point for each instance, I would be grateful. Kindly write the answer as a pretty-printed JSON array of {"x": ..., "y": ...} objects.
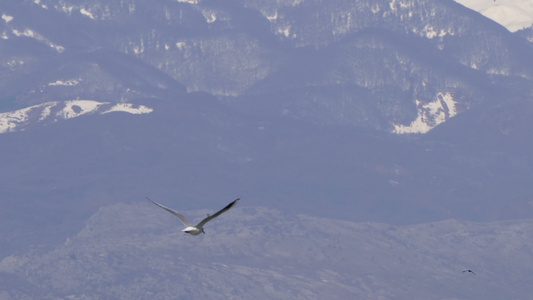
[{"x": 199, "y": 228}]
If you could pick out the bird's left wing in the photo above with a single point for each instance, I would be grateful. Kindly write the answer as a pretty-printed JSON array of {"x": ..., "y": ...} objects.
[
  {"x": 209, "y": 218},
  {"x": 177, "y": 214}
]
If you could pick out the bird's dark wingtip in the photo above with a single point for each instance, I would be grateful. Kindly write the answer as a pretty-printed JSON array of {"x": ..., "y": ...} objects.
[{"x": 231, "y": 204}]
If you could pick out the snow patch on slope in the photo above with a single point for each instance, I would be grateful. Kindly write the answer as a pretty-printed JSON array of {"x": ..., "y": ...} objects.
[
  {"x": 77, "y": 108},
  {"x": 87, "y": 13},
  {"x": 10, "y": 120},
  {"x": 38, "y": 2},
  {"x": 129, "y": 108},
  {"x": 71, "y": 82},
  {"x": 430, "y": 115},
  {"x": 7, "y": 18},
  {"x": 55, "y": 111},
  {"x": 29, "y": 33}
]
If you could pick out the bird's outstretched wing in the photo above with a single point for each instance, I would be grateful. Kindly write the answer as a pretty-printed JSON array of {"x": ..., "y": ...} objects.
[
  {"x": 210, "y": 217},
  {"x": 177, "y": 214}
]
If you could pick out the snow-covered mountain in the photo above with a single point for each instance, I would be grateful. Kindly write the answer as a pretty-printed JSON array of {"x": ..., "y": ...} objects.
[
  {"x": 55, "y": 111},
  {"x": 368, "y": 64},
  {"x": 349, "y": 112},
  {"x": 347, "y": 69},
  {"x": 512, "y": 14}
]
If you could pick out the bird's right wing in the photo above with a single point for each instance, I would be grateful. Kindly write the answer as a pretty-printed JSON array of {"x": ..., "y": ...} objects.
[
  {"x": 177, "y": 214},
  {"x": 202, "y": 223}
]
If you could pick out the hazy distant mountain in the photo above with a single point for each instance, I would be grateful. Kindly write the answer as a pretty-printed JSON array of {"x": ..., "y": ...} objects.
[
  {"x": 396, "y": 112},
  {"x": 138, "y": 252}
]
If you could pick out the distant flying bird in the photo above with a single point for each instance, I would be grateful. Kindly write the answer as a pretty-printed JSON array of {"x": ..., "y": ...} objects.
[
  {"x": 199, "y": 228},
  {"x": 469, "y": 271}
]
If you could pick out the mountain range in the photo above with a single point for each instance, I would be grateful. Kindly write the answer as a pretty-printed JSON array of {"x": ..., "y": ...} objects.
[
  {"x": 277, "y": 52},
  {"x": 380, "y": 117}
]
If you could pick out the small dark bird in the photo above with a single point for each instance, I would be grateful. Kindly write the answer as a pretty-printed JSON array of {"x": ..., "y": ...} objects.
[
  {"x": 469, "y": 271},
  {"x": 199, "y": 228}
]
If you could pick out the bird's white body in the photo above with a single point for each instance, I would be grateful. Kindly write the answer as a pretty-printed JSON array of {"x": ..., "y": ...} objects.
[
  {"x": 199, "y": 228},
  {"x": 192, "y": 230}
]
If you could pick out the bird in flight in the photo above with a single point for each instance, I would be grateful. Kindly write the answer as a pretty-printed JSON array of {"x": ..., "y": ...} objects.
[
  {"x": 469, "y": 271},
  {"x": 199, "y": 228}
]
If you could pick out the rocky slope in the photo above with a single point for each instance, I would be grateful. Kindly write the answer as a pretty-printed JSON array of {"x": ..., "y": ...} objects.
[{"x": 137, "y": 252}]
